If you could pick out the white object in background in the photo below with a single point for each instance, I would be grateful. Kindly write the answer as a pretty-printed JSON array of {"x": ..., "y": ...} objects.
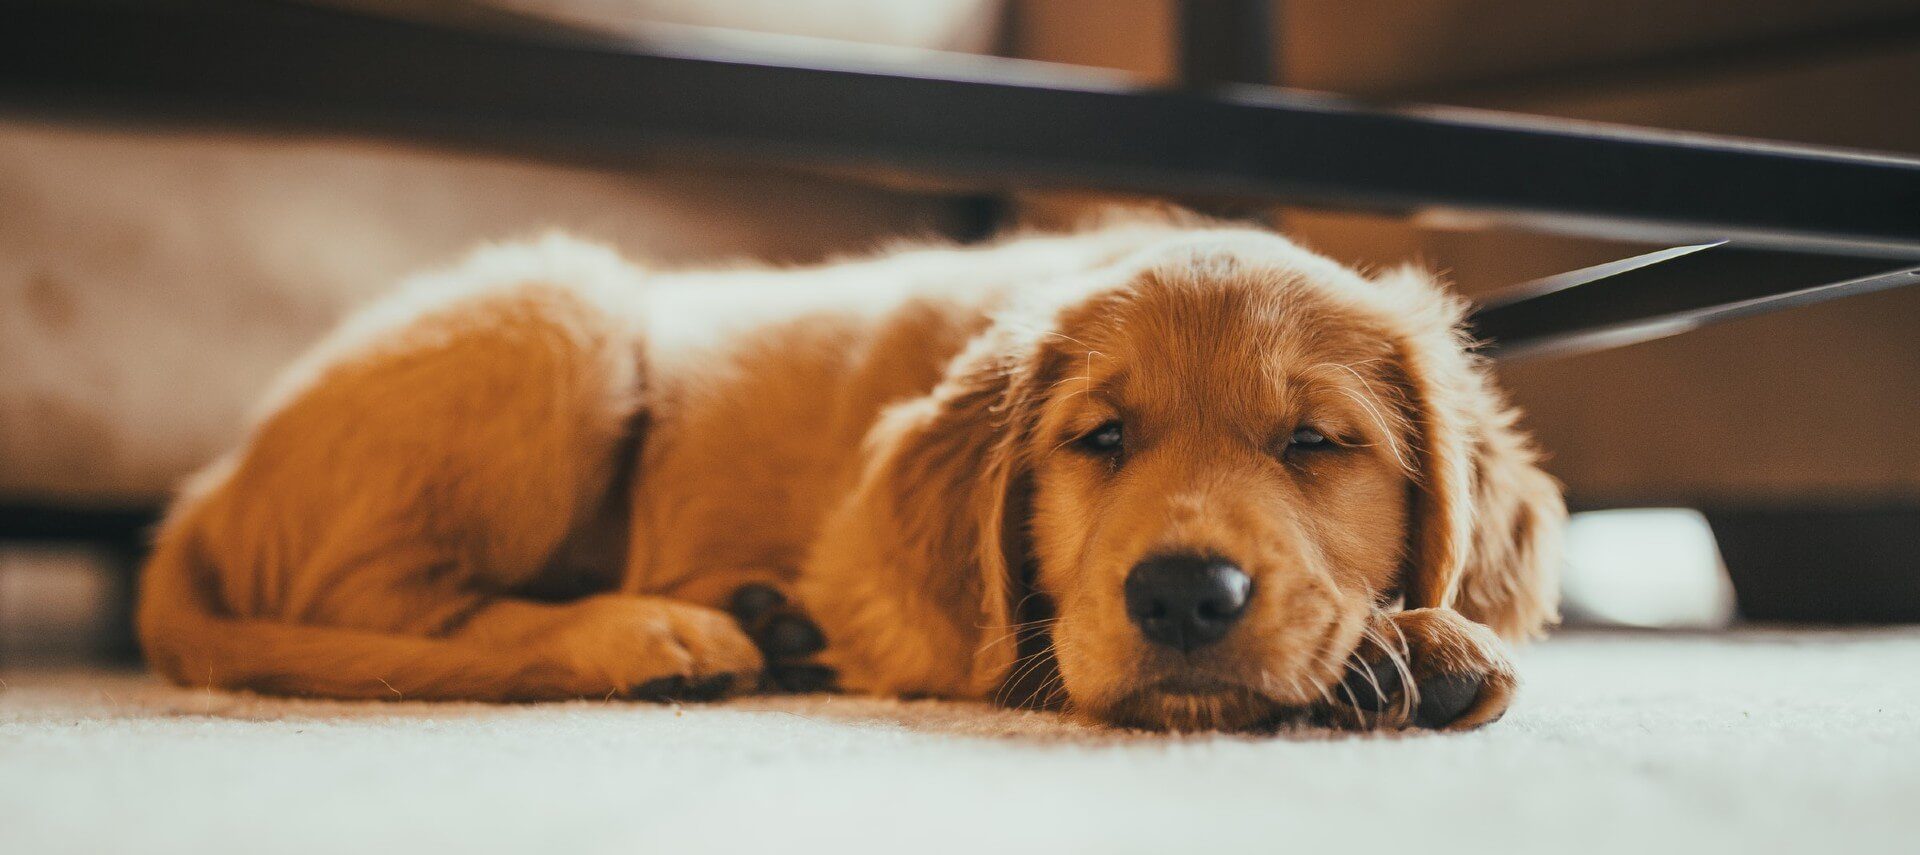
[{"x": 1645, "y": 567}]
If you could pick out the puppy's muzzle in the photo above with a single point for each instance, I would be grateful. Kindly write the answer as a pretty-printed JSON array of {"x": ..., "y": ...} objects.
[{"x": 1186, "y": 601}]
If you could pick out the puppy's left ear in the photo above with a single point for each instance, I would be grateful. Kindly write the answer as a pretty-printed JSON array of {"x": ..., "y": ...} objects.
[
  {"x": 923, "y": 555},
  {"x": 1486, "y": 520}
]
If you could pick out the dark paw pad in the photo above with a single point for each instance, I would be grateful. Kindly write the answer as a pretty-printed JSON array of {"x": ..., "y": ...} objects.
[
  {"x": 752, "y": 603},
  {"x": 1443, "y": 699},
  {"x": 799, "y": 679},
  {"x": 790, "y": 636},
  {"x": 784, "y": 635},
  {"x": 683, "y": 688},
  {"x": 1371, "y": 687}
]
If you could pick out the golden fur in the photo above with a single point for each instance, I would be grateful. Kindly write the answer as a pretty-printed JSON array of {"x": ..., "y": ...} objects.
[{"x": 543, "y": 474}]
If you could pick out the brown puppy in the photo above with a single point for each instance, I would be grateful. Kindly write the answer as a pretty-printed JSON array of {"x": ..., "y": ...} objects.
[{"x": 1168, "y": 475}]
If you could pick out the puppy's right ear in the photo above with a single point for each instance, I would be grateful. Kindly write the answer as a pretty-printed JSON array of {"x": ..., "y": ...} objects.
[{"x": 915, "y": 570}]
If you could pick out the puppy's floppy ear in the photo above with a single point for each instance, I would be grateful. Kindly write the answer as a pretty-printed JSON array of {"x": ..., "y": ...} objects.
[
  {"x": 925, "y": 551},
  {"x": 1486, "y": 520}
]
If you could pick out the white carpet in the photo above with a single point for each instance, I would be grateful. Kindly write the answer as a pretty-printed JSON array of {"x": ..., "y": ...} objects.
[{"x": 1757, "y": 741}]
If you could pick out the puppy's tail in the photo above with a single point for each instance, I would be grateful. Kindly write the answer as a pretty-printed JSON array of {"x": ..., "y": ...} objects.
[{"x": 190, "y": 639}]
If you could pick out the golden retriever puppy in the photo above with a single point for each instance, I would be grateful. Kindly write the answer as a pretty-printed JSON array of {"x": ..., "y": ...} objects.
[{"x": 1171, "y": 475}]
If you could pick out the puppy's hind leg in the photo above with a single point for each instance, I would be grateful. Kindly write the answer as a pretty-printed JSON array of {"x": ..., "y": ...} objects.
[
  {"x": 427, "y": 461},
  {"x": 424, "y": 640},
  {"x": 618, "y": 645}
]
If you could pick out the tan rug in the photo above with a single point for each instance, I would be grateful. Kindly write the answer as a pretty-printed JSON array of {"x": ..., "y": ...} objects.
[{"x": 1804, "y": 741}]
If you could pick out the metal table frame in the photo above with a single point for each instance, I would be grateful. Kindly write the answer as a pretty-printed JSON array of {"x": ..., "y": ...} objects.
[{"x": 979, "y": 123}]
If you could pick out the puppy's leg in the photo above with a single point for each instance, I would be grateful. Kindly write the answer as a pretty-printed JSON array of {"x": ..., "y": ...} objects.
[
  {"x": 617, "y": 645},
  {"x": 1425, "y": 668},
  {"x": 459, "y": 645}
]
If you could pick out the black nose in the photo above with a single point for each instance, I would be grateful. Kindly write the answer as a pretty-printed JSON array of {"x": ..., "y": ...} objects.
[{"x": 1186, "y": 601}]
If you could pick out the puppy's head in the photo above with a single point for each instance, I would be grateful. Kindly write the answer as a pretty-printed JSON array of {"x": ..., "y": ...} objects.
[
  {"x": 1221, "y": 466},
  {"x": 1212, "y": 463}
]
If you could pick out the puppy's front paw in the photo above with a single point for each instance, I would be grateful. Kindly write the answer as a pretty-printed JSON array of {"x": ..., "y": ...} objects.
[
  {"x": 1425, "y": 668},
  {"x": 785, "y": 636}
]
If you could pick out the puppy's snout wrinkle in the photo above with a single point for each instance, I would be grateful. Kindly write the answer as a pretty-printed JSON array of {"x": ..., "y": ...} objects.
[{"x": 1186, "y": 601}]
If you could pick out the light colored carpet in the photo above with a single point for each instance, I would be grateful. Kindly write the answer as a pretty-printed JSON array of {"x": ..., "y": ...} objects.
[{"x": 1756, "y": 741}]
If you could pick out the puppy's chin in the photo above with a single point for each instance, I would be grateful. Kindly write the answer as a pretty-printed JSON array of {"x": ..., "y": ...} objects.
[{"x": 1199, "y": 706}]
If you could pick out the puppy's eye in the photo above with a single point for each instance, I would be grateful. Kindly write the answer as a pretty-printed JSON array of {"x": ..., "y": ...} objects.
[
  {"x": 1107, "y": 440},
  {"x": 1308, "y": 439}
]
